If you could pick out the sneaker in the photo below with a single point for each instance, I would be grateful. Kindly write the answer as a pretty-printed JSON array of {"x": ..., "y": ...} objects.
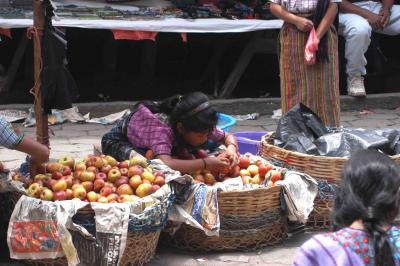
[{"x": 355, "y": 86}]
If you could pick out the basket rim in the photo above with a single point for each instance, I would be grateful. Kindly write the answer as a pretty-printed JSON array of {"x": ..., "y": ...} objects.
[
  {"x": 264, "y": 142},
  {"x": 272, "y": 189}
]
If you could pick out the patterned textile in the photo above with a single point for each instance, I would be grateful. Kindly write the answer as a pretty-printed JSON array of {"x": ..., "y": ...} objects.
[
  {"x": 300, "y": 6},
  {"x": 316, "y": 86},
  {"x": 8, "y": 137},
  {"x": 344, "y": 247},
  {"x": 146, "y": 130}
]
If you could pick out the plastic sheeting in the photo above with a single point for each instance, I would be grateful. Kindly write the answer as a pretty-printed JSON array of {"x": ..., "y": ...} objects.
[{"x": 301, "y": 130}]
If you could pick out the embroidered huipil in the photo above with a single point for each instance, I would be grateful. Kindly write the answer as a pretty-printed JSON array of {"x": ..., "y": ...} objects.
[
  {"x": 150, "y": 131},
  {"x": 300, "y": 6},
  {"x": 345, "y": 247}
]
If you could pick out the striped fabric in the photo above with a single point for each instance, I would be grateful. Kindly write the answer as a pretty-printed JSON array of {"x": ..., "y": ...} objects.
[{"x": 315, "y": 86}]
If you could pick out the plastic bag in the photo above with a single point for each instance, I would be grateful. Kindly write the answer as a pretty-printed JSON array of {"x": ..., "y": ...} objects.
[
  {"x": 311, "y": 48},
  {"x": 299, "y": 121},
  {"x": 348, "y": 141}
]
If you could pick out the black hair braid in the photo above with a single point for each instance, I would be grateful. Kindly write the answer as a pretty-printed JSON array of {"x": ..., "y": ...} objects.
[
  {"x": 378, "y": 239},
  {"x": 322, "y": 7}
]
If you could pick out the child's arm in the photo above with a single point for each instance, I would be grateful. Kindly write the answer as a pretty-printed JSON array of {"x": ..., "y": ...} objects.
[
  {"x": 188, "y": 166},
  {"x": 327, "y": 20},
  {"x": 301, "y": 23},
  {"x": 231, "y": 148}
]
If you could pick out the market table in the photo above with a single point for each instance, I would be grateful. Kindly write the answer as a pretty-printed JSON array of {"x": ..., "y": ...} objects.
[{"x": 260, "y": 43}]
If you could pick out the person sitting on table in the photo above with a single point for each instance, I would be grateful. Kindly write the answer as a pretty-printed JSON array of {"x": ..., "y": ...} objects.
[
  {"x": 357, "y": 20},
  {"x": 167, "y": 127},
  {"x": 12, "y": 139},
  {"x": 365, "y": 208}
]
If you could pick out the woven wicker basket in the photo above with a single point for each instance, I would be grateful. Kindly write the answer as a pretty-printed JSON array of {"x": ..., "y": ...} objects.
[
  {"x": 133, "y": 256},
  {"x": 249, "y": 219},
  {"x": 320, "y": 167}
]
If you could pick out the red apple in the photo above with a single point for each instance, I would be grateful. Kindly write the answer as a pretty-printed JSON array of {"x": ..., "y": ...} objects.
[
  {"x": 79, "y": 193},
  {"x": 98, "y": 184},
  {"x": 124, "y": 171},
  {"x": 124, "y": 164},
  {"x": 87, "y": 176},
  {"x": 51, "y": 183},
  {"x": 159, "y": 173},
  {"x": 113, "y": 175},
  {"x": 53, "y": 167},
  {"x": 122, "y": 180},
  {"x": 235, "y": 171},
  {"x": 98, "y": 162},
  {"x": 56, "y": 175},
  {"x": 69, "y": 194},
  {"x": 60, "y": 185},
  {"x": 46, "y": 194},
  {"x": 106, "y": 168},
  {"x": 112, "y": 198},
  {"x": 125, "y": 189},
  {"x": 101, "y": 175},
  {"x": 105, "y": 191},
  {"x": 60, "y": 195},
  {"x": 244, "y": 162},
  {"x": 159, "y": 181},
  {"x": 135, "y": 170},
  {"x": 263, "y": 169},
  {"x": 155, "y": 188},
  {"x": 80, "y": 166},
  {"x": 69, "y": 180},
  {"x": 65, "y": 170},
  {"x": 88, "y": 185},
  {"x": 92, "y": 169},
  {"x": 77, "y": 174},
  {"x": 135, "y": 181}
]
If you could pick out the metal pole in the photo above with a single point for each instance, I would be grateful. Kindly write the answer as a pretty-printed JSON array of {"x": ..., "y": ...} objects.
[{"x": 42, "y": 133}]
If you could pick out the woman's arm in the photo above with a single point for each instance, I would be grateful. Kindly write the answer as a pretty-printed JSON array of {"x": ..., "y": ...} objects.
[
  {"x": 327, "y": 20},
  {"x": 188, "y": 166},
  {"x": 39, "y": 152},
  {"x": 301, "y": 23}
]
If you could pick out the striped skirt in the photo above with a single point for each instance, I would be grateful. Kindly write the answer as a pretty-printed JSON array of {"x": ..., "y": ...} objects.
[{"x": 315, "y": 86}]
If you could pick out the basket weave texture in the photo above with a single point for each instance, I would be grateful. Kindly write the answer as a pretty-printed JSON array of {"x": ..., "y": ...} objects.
[
  {"x": 249, "y": 219},
  {"x": 323, "y": 168}
]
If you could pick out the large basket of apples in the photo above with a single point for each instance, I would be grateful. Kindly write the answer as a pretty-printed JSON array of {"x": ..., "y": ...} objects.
[
  {"x": 249, "y": 219},
  {"x": 102, "y": 179}
]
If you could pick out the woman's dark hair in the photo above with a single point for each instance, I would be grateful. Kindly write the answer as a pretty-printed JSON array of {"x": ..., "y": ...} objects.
[
  {"x": 369, "y": 191},
  {"x": 193, "y": 110},
  {"x": 320, "y": 11}
]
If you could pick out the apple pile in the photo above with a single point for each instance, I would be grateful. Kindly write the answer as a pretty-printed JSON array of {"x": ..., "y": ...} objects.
[
  {"x": 251, "y": 172},
  {"x": 96, "y": 179}
]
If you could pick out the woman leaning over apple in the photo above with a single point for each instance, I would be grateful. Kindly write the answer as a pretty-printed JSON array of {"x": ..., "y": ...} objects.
[{"x": 171, "y": 129}]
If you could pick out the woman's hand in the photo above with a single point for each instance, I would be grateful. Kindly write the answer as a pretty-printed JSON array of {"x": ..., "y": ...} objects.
[
  {"x": 384, "y": 14},
  {"x": 374, "y": 20},
  {"x": 216, "y": 163},
  {"x": 232, "y": 155},
  {"x": 304, "y": 24}
]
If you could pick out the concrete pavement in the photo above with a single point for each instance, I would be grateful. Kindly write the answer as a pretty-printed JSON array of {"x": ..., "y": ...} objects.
[{"x": 78, "y": 140}]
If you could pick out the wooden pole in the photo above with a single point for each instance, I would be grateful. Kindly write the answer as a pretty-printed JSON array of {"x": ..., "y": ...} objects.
[{"x": 42, "y": 133}]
